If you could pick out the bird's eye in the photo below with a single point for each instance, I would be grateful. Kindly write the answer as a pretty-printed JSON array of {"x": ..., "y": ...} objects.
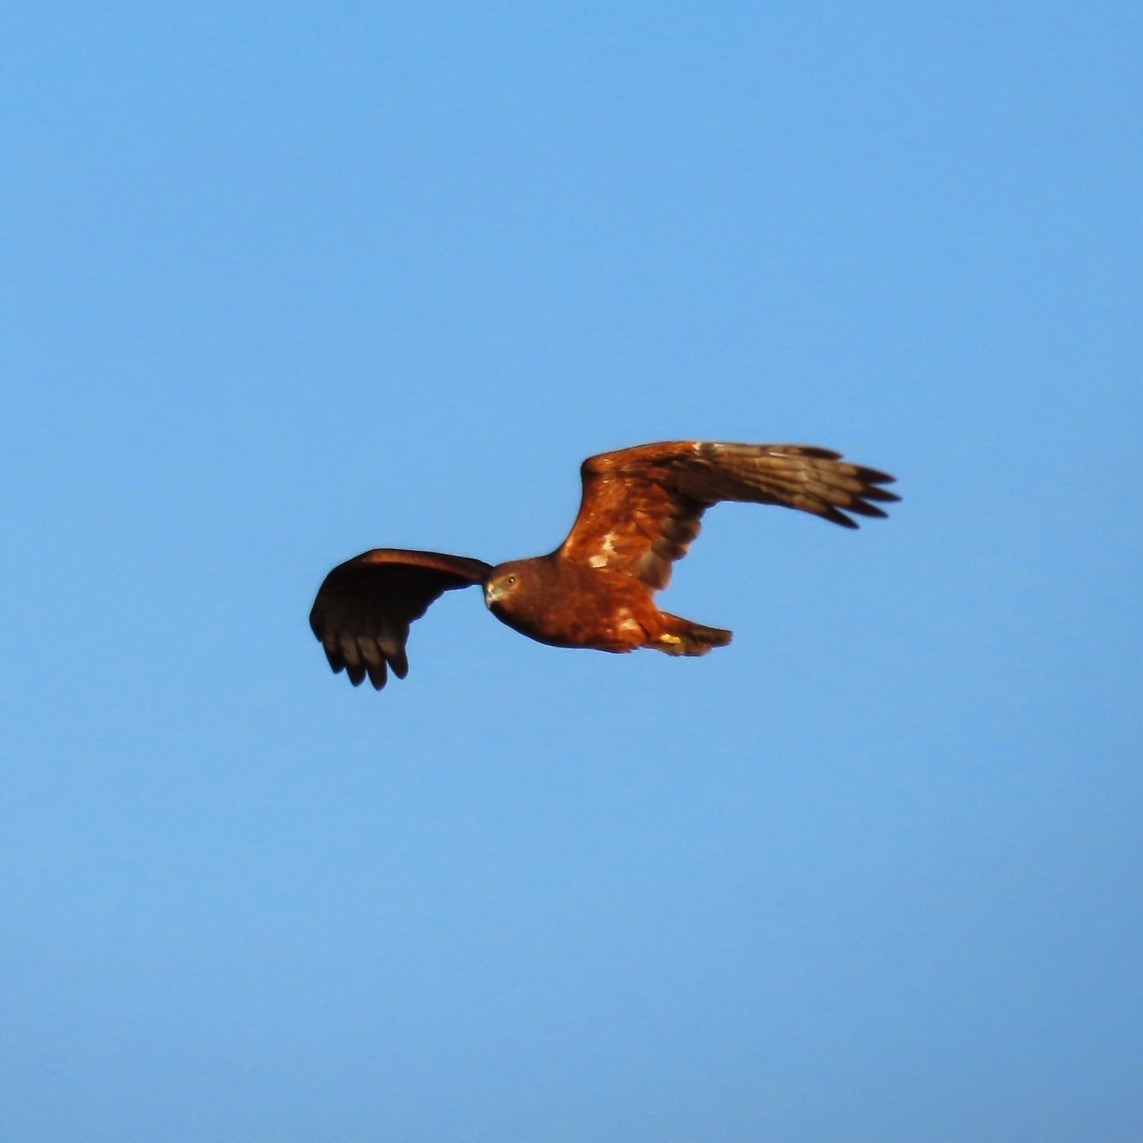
[{"x": 510, "y": 581}]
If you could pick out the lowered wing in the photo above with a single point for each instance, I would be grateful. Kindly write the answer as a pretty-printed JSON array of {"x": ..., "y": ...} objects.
[{"x": 365, "y": 605}]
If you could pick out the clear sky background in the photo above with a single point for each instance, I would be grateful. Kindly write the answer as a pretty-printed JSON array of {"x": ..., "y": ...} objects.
[{"x": 283, "y": 282}]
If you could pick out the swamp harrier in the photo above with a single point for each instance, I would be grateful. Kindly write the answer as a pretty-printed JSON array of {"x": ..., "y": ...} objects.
[{"x": 640, "y": 511}]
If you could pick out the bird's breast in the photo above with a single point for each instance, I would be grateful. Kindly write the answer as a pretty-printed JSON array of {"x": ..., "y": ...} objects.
[{"x": 573, "y": 606}]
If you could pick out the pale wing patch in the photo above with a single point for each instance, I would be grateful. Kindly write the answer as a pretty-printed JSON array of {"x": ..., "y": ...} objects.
[{"x": 632, "y": 625}]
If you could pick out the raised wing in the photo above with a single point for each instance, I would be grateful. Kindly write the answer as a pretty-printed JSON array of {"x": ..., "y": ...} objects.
[
  {"x": 641, "y": 506},
  {"x": 365, "y": 605}
]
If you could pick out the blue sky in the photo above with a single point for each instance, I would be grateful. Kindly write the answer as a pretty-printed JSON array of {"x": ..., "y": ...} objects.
[{"x": 286, "y": 284}]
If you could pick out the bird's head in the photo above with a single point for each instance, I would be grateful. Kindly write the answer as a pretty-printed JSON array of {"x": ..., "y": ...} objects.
[{"x": 505, "y": 582}]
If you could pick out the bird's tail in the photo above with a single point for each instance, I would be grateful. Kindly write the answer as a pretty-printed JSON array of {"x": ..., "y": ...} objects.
[{"x": 682, "y": 637}]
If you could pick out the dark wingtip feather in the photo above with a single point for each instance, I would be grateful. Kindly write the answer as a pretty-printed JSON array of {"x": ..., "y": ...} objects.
[
  {"x": 874, "y": 492},
  {"x": 863, "y": 509},
  {"x": 829, "y": 512},
  {"x": 875, "y": 475},
  {"x": 378, "y": 675}
]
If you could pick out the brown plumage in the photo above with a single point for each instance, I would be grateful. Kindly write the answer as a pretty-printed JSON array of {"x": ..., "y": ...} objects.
[{"x": 640, "y": 512}]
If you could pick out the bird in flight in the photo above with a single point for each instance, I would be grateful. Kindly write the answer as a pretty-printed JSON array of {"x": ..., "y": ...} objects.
[{"x": 639, "y": 513}]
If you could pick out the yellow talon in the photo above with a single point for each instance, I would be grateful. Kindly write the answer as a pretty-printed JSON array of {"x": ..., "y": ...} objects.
[{"x": 669, "y": 639}]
